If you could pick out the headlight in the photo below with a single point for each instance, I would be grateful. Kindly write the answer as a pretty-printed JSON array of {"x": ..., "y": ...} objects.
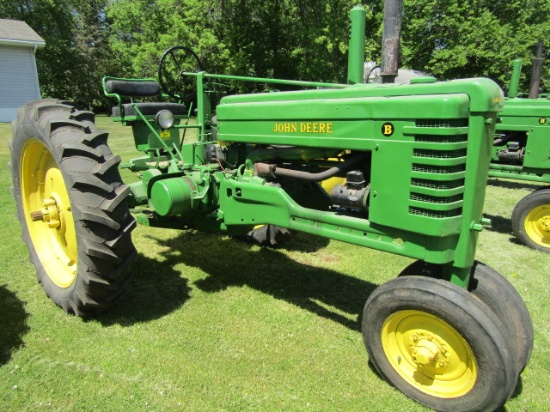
[{"x": 165, "y": 119}]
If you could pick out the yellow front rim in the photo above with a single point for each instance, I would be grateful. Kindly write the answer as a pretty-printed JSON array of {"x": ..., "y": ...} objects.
[
  {"x": 537, "y": 225},
  {"x": 48, "y": 214},
  {"x": 429, "y": 354}
]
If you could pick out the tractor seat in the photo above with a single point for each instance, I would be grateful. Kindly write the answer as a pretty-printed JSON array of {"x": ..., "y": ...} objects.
[
  {"x": 149, "y": 109},
  {"x": 138, "y": 88}
]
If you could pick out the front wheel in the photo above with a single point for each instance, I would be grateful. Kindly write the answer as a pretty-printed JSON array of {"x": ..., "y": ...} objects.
[
  {"x": 269, "y": 235},
  {"x": 500, "y": 296},
  {"x": 71, "y": 205},
  {"x": 506, "y": 303},
  {"x": 438, "y": 344},
  {"x": 531, "y": 220}
]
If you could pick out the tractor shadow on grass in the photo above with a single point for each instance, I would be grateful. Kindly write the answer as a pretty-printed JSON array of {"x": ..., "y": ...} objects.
[
  {"x": 502, "y": 225},
  {"x": 13, "y": 321},
  {"x": 157, "y": 289},
  {"x": 507, "y": 184},
  {"x": 229, "y": 262},
  {"x": 499, "y": 224}
]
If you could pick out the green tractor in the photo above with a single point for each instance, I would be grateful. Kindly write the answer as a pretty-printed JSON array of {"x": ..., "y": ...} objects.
[
  {"x": 521, "y": 152},
  {"x": 449, "y": 331}
]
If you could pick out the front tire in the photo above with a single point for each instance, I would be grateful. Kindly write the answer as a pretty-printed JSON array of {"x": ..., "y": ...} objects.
[
  {"x": 438, "y": 344},
  {"x": 269, "y": 236},
  {"x": 500, "y": 296},
  {"x": 506, "y": 303},
  {"x": 531, "y": 220},
  {"x": 71, "y": 204}
]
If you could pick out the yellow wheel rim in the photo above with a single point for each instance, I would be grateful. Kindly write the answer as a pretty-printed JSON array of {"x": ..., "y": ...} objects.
[
  {"x": 48, "y": 214},
  {"x": 429, "y": 354},
  {"x": 537, "y": 225}
]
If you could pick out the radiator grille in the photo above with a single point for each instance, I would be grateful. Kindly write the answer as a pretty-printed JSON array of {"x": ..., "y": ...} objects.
[
  {"x": 437, "y": 185},
  {"x": 442, "y": 123},
  {"x": 434, "y": 199},
  {"x": 439, "y": 154},
  {"x": 441, "y": 139},
  {"x": 438, "y": 214},
  {"x": 438, "y": 168}
]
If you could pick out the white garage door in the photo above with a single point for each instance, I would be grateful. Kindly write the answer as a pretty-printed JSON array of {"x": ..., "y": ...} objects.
[{"x": 18, "y": 80}]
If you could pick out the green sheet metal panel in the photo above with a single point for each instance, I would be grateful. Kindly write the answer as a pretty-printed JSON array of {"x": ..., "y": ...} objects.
[{"x": 531, "y": 116}]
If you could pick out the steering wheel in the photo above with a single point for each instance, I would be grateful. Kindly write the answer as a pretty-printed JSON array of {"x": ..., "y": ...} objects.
[{"x": 173, "y": 63}]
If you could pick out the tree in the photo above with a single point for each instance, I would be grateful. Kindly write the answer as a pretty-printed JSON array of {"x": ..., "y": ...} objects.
[
  {"x": 470, "y": 38},
  {"x": 291, "y": 39},
  {"x": 305, "y": 39},
  {"x": 71, "y": 64},
  {"x": 97, "y": 59},
  {"x": 54, "y": 23}
]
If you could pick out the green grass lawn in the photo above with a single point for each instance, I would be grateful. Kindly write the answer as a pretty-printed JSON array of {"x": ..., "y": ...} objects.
[{"x": 212, "y": 324}]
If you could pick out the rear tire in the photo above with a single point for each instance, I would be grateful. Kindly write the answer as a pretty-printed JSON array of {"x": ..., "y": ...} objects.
[
  {"x": 71, "y": 204},
  {"x": 531, "y": 220},
  {"x": 438, "y": 344}
]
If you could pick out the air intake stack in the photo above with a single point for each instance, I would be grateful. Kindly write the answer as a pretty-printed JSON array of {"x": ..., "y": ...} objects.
[{"x": 390, "y": 40}]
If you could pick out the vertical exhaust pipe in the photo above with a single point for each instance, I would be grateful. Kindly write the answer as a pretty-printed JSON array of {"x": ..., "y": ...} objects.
[
  {"x": 513, "y": 86},
  {"x": 537, "y": 73},
  {"x": 393, "y": 10},
  {"x": 356, "y": 53}
]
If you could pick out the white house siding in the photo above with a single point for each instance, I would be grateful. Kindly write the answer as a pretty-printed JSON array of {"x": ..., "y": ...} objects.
[{"x": 18, "y": 80}]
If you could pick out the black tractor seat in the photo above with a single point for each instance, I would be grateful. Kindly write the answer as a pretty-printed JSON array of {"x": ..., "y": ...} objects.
[
  {"x": 149, "y": 109},
  {"x": 138, "y": 88}
]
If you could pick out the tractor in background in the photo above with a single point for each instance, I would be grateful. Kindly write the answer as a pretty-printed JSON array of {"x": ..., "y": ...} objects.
[
  {"x": 413, "y": 161},
  {"x": 522, "y": 152}
]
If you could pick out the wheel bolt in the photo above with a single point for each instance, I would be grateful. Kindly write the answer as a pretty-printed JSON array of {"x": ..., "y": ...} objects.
[
  {"x": 36, "y": 216},
  {"x": 48, "y": 213},
  {"x": 441, "y": 363}
]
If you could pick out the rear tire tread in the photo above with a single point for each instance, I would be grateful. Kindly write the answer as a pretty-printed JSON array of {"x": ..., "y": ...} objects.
[{"x": 97, "y": 195}]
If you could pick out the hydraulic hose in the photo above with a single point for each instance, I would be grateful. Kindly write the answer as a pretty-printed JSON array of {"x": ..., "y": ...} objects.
[{"x": 271, "y": 170}]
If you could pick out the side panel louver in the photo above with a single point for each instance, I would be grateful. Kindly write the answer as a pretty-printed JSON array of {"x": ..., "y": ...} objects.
[{"x": 437, "y": 178}]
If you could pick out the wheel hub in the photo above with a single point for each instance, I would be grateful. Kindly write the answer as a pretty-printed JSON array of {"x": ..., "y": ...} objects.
[
  {"x": 544, "y": 223},
  {"x": 429, "y": 353},
  {"x": 50, "y": 213},
  {"x": 425, "y": 350},
  {"x": 537, "y": 225}
]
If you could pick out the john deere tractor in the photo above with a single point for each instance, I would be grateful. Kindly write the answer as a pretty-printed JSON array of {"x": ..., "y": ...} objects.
[
  {"x": 448, "y": 331},
  {"x": 522, "y": 152}
]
